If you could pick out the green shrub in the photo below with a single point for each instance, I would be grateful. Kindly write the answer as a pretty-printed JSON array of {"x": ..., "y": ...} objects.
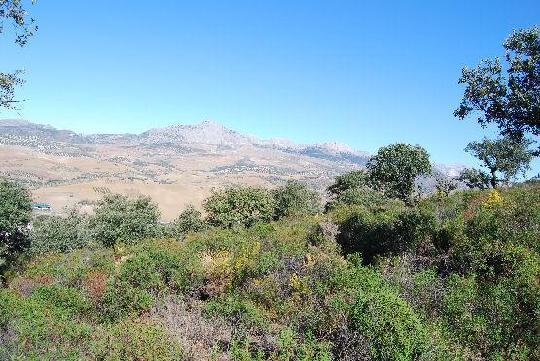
[
  {"x": 121, "y": 299},
  {"x": 189, "y": 220},
  {"x": 509, "y": 216},
  {"x": 45, "y": 326},
  {"x": 238, "y": 312},
  {"x": 239, "y": 206},
  {"x": 295, "y": 199},
  {"x": 60, "y": 234},
  {"x": 131, "y": 340},
  {"x": 345, "y": 182},
  {"x": 153, "y": 268},
  {"x": 68, "y": 299},
  {"x": 15, "y": 211},
  {"x": 494, "y": 318},
  {"x": 394, "y": 330},
  {"x": 120, "y": 219},
  {"x": 293, "y": 347},
  {"x": 361, "y": 196},
  {"x": 141, "y": 280},
  {"x": 388, "y": 231}
]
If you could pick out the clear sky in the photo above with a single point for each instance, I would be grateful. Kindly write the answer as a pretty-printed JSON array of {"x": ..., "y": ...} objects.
[{"x": 358, "y": 72}]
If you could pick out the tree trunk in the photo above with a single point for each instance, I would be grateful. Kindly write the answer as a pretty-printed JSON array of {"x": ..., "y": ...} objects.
[{"x": 493, "y": 179}]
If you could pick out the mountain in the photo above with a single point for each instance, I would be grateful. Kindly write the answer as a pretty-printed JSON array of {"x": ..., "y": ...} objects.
[
  {"x": 22, "y": 132},
  {"x": 206, "y": 132},
  {"x": 22, "y": 128},
  {"x": 176, "y": 165}
]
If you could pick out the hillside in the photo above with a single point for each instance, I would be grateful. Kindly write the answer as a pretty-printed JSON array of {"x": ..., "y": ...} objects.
[{"x": 176, "y": 165}]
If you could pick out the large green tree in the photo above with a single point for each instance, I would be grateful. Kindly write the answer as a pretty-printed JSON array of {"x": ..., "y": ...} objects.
[
  {"x": 504, "y": 159},
  {"x": 507, "y": 95},
  {"x": 395, "y": 167},
  {"x": 15, "y": 213},
  {"x": 13, "y": 14}
]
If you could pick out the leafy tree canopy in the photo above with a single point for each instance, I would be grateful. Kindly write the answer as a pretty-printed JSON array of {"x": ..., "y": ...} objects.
[
  {"x": 475, "y": 178},
  {"x": 511, "y": 100},
  {"x": 12, "y": 13},
  {"x": 189, "y": 220},
  {"x": 121, "y": 219},
  {"x": 239, "y": 206},
  {"x": 504, "y": 158},
  {"x": 395, "y": 167}
]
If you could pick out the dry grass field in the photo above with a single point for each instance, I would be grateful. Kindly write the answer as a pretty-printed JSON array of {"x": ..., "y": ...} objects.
[{"x": 173, "y": 179}]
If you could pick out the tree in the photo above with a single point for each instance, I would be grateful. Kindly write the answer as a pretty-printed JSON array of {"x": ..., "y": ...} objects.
[
  {"x": 15, "y": 213},
  {"x": 189, "y": 220},
  {"x": 239, "y": 206},
  {"x": 295, "y": 199},
  {"x": 395, "y": 167},
  {"x": 60, "y": 233},
  {"x": 504, "y": 158},
  {"x": 444, "y": 184},
  {"x": 118, "y": 218},
  {"x": 347, "y": 181},
  {"x": 13, "y": 12},
  {"x": 512, "y": 102},
  {"x": 474, "y": 178}
]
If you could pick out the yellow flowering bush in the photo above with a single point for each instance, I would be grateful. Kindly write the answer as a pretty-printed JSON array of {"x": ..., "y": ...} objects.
[{"x": 494, "y": 198}]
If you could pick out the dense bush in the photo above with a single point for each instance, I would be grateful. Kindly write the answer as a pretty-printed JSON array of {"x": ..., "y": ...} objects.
[
  {"x": 118, "y": 218},
  {"x": 493, "y": 318},
  {"x": 129, "y": 340},
  {"x": 239, "y": 206},
  {"x": 189, "y": 220},
  {"x": 15, "y": 208},
  {"x": 141, "y": 280},
  {"x": 60, "y": 233},
  {"x": 394, "y": 330},
  {"x": 295, "y": 199},
  {"x": 384, "y": 232},
  {"x": 361, "y": 196},
  {"x": 53, "y": 324},
  {"x": 345, "y": 182}
]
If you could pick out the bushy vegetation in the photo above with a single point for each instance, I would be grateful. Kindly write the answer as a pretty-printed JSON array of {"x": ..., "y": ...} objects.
[
  {"x": 60, "y": 233},
  {"x": 295, "y": 199},
  {"x": 451, "y": 276},
  {"x": 189, "y": 220},
  {"x": 119, "y": 219},
  {"x": 15, "y": 206},
  {"x": 239, "y": 206}
]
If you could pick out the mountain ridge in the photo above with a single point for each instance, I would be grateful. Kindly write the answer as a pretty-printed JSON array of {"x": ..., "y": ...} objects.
[{"x": 205, "y": 132}]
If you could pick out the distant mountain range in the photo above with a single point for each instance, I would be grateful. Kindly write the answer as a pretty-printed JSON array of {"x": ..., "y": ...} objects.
[
  {"x": 176, "y": 165},
  {"x": 204, "y": 133}
]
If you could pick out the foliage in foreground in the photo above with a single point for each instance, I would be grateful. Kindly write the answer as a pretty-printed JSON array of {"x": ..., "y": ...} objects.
[
  {"x": 453, "y": 276},
  {"x": 15, "y": 207}
]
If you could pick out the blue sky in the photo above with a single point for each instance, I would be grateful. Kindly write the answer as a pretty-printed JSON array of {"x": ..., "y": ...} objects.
[{"x": 362, "y": 73}]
